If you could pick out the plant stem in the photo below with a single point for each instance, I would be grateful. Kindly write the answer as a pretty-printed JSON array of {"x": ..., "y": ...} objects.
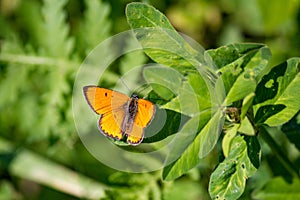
[
  {"x": 28, "y": 165},
  {"x": 277, "y": 151},
  {"x": 35, "y": 60}
]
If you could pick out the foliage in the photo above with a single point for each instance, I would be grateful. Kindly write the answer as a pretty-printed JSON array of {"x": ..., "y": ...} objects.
[
  {"x": 244, "y": 70},
  {"x": 238, "y": 106}
]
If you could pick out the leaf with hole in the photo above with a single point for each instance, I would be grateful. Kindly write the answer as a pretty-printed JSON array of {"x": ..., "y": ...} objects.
[
  {"x": 229, "y": 178},
  {"x": 228, "y": 137}
]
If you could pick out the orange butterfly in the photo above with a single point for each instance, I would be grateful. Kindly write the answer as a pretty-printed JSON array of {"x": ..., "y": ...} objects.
[{"x": 120, "y": 115}]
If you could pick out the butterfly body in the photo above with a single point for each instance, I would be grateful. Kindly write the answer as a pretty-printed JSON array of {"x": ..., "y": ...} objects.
[
  {"x": 120, "y": 115},
  {"x": 131, "y": 108}
]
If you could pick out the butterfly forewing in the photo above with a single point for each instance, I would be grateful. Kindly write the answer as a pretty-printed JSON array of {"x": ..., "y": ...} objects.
[
  {"x": 145, "y": 114},
  {"x": 103, "y": 100}
]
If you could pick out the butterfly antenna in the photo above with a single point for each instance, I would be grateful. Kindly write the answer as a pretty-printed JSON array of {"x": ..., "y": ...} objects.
[
  {"x": 126, "y": 86},
  {"x": 144, "y": 90}
]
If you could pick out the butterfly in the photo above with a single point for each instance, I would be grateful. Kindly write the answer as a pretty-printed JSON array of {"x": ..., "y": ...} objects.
[{"x": 120, "y": 115}]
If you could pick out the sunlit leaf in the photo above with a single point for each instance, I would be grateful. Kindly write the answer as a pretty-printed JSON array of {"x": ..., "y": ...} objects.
[
  {"x": 246, "y": 127},
  {"x": 227, "y": 139},
  {"x": 280, "y": 87},
  {"x": 203, "y": 143},
  {"x": 247, "y": 103},
  {"x": 160, "y": 40},
  {"x": 228, "y": 54},
  {"x": 264, "y": 112},
  {"x": 164, "y": 81},
  {"x": 229, "y": 179},
  {"x": 188, "y": 95},
  {"x": 268, "y": 87},
  {"x": 253, "y": 66},
  {"x": 167, "y": 122}
]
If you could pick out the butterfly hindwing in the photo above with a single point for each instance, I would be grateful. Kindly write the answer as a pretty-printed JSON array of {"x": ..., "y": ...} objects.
[
  {"x": 110, "y": 124},
  {"x": 136, "y": 135}
]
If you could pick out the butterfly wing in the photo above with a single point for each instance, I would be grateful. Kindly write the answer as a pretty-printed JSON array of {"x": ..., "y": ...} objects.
[
  {"x": 110, "y": 105},
  {"x": 103, "y": 100},
  {"x": 145, "y": 113},
  {"x": 110, "y": 124}
]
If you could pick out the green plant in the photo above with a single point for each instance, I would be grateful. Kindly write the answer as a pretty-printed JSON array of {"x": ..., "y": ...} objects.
[
  {"x": 40, "y": 52},
  {"x": 258, "y": 96},
  {"x": 42, "y": 45}
]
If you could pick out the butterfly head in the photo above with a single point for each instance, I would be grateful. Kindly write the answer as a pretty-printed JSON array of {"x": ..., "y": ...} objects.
[{"x": 134, "y": 96}]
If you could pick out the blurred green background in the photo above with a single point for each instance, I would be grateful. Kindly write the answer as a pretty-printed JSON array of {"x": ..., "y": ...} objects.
[{"x": 42, "y": 44}]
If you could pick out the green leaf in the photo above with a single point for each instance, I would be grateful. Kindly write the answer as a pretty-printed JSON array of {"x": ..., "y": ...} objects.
[
  {"x": 176, "y": 166},
  {"x": 289, "y": 94},
  {"x": 31, "y": 19},
  {"x": 278, "y": 188},
  {"x": 246, "y": 127},
  {"x": 171, "y": 124},
  {"x": 247, "y": 103},
  {"x": 130, "y": 73},
  {"x": 241, "y": 67},
  {"x": 229, "y": 179},
  {"x": 166, "y": 86},
  {"x": 186, "y": 189},
  {"x": 133, "y": 186},
  {"x": 160, "y": 40},
  {"x": 201, "y": 89},
  {"x": 7, "y": 190},
  {"x": 209, "y": 135},
  {"x": 254, "y": 66},
  {"x": 228, "y": 54},
  {"x": 273, "y": 23},
  {"x": 264, "y": 112},
  {"x": 291, "y": 129},
  {"x": 203, "y": 143},
  {"x": 128, "y": 179},
  {"x": 229, "y": 136},
  {"x": 191, "y": 92},
  {"x": 253, "y": 150},
  {"x": 55, "y": 41},
  {"x": 193, "y": 97},
  {"x": 26, "y": 164},
  {"x": 268, "y": 87},
  {"x": 241, "y": 88},
  {"x": 95, "y": 26},
  {"x": 280, "y": 86},
  {"x": 183, "y": 139},
  {"x": 282, "y": 161}
]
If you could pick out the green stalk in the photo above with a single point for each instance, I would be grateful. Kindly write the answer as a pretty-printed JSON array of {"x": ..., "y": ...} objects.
[
  {"x": 28, "y": 165},
  {"x": 277, "y": 151}
]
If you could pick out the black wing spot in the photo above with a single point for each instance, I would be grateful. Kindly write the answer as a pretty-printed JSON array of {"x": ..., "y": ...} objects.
[{"x": 105, "y": 94}]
